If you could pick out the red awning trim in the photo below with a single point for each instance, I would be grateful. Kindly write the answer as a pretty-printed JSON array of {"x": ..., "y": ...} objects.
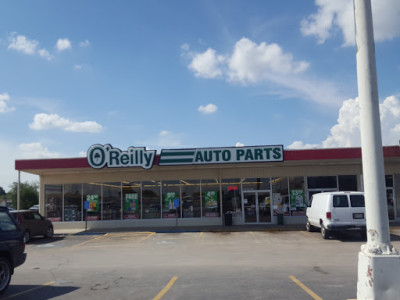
[{"x": 289, "y": 155}]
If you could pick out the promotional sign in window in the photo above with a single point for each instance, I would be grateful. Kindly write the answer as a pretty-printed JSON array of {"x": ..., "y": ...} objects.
[
  {"x": 93, "y": 203},
  {"x": 211, "y": 200},
  {"x": 131, "y": 202},
  {"x": 169, "y": 200},
  {"x": 296, "y": 199}
]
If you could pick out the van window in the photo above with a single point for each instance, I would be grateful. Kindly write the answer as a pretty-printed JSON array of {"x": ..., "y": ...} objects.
[
  {"x": 340, "y": 201},
  {"x": 357, "y": 201}
]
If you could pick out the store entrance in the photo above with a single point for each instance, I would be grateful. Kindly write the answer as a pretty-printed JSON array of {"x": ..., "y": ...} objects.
[{"x": 257, "y": 207}]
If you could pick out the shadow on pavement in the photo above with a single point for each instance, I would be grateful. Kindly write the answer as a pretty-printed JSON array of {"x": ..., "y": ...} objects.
[
  {"x": 37, "y": 292},
  {"x": 42, "y": 241}
]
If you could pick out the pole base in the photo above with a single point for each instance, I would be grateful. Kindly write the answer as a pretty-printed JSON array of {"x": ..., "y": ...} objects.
[{"x": 378, "y": 275}]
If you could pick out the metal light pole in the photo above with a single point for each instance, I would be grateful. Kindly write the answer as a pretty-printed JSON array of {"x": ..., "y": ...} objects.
[{"x": 378, "y": 261}]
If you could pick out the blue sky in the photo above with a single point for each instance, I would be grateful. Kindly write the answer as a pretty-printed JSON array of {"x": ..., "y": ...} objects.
[{"x": 181, "y": 74}]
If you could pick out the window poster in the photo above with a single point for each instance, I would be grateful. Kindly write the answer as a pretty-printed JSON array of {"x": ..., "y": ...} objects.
[
  {"x": 131, "y": 202},
  {"x": 169, "y": 200},
  {"x": 93, "y": 203},
  {"x": 296, "y": 199},
  {"x": 211, "y": 199}
]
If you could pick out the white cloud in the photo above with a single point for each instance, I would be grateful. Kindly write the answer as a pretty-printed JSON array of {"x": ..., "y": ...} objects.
[
  {"x": 21, "y": 43},
  {"x": 45, "y": 54},
  {"x": 63, "y": 44},
  {"x": 208, "y": 109},
  {"x": 207, "y": 64},
  {"x": 50, "y": 121},
  {"x": 8, "y": 154},
  {"x": 167, "y": 139},
  {"x": 81, "y": 67},
  {"x": 301, "y": 145},
  {"x": 35, "y": 150},
  {"x": 239, "y": 144},
  {"x": 346, "y": 133},
  {"x": 252, "y": 63},
  {"x": 85, "y": 43},
  {"x": 185, "y": 47},
  {"x": 3, "y": 103},
  {"x": 339, "y": 14}
]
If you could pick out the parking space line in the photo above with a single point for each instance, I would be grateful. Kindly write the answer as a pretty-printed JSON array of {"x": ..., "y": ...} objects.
[
  {"x": 305, "y": 288},
  {"x": 89, "y": 241},
  {"x": 166, "y": 288},
  {"x": 149, "y": 235},
  {"x": 30, "y": 290}
]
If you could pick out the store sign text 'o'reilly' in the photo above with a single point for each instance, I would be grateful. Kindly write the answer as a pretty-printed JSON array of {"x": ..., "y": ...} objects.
[{"x": 100, "y": 156}]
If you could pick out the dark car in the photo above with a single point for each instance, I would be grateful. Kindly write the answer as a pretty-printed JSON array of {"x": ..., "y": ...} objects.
[
  {"x": 12, "y": 247},
  {"x": 33, "y": 224}
]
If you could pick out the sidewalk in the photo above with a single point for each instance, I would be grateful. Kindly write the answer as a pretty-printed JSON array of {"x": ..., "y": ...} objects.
[
  {"x": 174, "y": 229},
  {"x": 394, "y": 226}
]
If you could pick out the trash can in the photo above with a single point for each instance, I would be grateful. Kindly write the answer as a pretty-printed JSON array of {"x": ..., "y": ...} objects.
[
  {"x": 280, "y": 219},
  {"x": 228, "y": 219}
]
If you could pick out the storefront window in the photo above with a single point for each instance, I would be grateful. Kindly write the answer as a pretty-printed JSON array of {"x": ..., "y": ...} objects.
[
  {"x": 322, "y": 182},
  {"x": 92, "y": 194},
  {"x": 298, "y": 201},
  {"x": 280, "y": 196},
  {"x": 347, "y": 183},
  {"x": 151, "y": 199},
  {"x": 131, "y": 199},
  {"x": 171, "y": 199},
  {"x": 191, "y": 204},
  {"x": 112, "y": 201},
  {"x": 72, "y": 202},
  {"x": 231, "y": 197},
  {"x": 252, "y": 184},
  {"x": 53, "y": 202},
  {"x": 210, "y": 197},
  {"x": 390, "y": 196}
]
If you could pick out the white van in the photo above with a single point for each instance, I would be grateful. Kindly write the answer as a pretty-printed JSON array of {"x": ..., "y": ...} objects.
[{"x": 336, "y": 211}]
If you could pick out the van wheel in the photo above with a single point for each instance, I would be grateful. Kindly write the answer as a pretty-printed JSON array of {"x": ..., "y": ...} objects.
[
  {"x": 309, "y": 227},
  {"x": 324, "y": 232}
]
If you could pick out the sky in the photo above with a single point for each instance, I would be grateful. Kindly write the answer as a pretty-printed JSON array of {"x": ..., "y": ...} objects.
[{"x": 185, "y": 74}]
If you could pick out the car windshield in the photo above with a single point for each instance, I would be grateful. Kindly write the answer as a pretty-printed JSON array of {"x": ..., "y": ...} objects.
[
  {"x": 357, "y": 201},
  {"x": 6, "y": 223}
]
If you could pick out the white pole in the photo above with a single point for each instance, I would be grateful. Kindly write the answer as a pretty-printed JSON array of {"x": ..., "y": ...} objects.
[{"x": 379, "y": 262}]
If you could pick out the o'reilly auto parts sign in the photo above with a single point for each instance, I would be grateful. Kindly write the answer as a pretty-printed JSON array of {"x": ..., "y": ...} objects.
[
  {"x": 100, "y": 156},
  {"x": 221, "y": 155}
]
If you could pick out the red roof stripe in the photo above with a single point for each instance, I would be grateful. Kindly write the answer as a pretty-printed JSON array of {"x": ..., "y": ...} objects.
[{"x": 289, "y": 155}]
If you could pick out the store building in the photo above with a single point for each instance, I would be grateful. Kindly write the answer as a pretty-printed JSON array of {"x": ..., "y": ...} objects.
[{"x": 198, "y": 187}]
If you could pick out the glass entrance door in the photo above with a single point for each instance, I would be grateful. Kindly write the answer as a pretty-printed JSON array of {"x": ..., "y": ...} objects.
[{"x": 257, "y": 207}]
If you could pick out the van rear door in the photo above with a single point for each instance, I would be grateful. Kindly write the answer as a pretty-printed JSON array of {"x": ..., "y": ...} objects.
[
  {"x": 341, "y": 214},
  {"x": 357, "y": 208}
]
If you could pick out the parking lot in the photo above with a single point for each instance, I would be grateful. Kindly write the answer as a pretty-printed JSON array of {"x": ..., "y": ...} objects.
[{"x": 262, "y": 264}]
